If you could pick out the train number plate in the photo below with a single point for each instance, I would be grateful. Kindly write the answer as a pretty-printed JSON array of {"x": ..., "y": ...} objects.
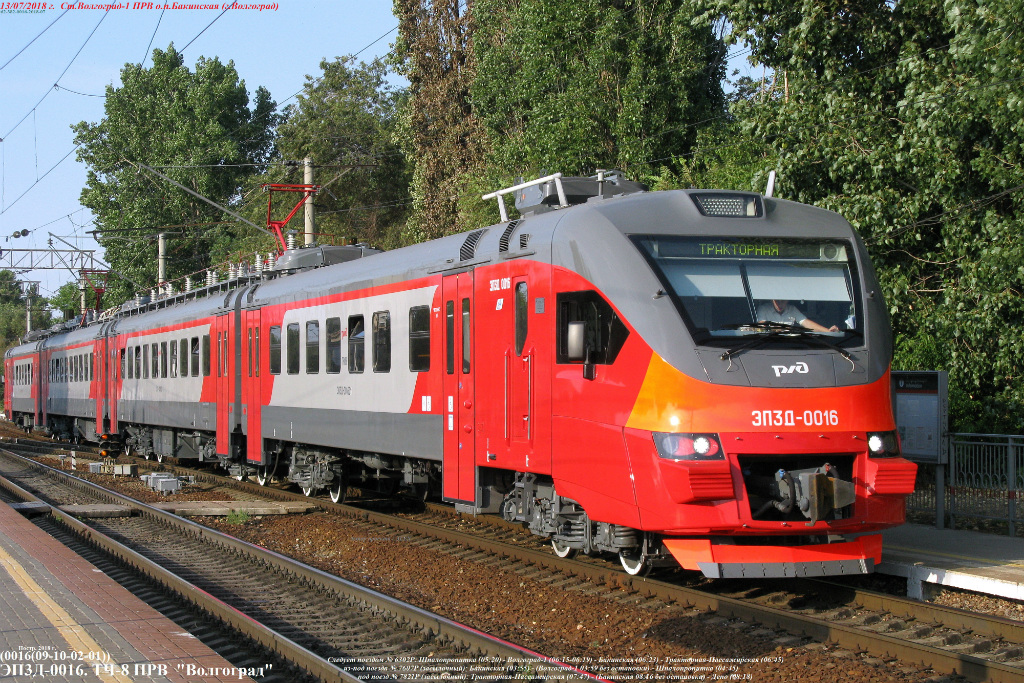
[{"x": 793, "y": 418}]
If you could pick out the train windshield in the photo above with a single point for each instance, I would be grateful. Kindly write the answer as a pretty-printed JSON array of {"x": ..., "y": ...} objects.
[{"x": 744, "y": 286}]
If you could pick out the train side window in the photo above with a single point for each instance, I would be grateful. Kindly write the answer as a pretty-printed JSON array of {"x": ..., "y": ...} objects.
[
  {"x": 92, "y": 367},
  {"x": 207, "y": 359},
  {"x": 248, "y": 354},
  {"x": 195, "y": 356},
  {"x": 220, "y": 366},
  {"x": 122, "y": 363},
  {"x": 292, "y": 352},
  {"x": 256, "y": 343},
  {"x": 131, "y": 363},
  {"x": 465, "y": 336},
  {"x": 156, "y": 360},
  {"x": 333, "y": 345},
  {"x": 605, "y": 333},
  {"x": 312, "y": 347},
  {"x": 224, "y": 354},
  {"x": 173, "y": 361},
  {"x": 382, "y": 341},
  {"x": 275, "y": 350},
  {"x": 163, "y": 359},
  {"x": 522, "y": 317},
  {"x": 145, "y": 361},
  {"x": 419, "y": 338},
  {"x": 138, "y": 362},
  {"x": 183, "y": 357},
  {"x": 449, "y": 337},
  {"x": 356, "y": 344}
]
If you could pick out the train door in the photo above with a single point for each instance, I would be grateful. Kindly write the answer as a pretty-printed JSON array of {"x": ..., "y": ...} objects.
[
  {"x": 38, "y": 385},
  {"x": 222, "y": 326},
  {"x": 458, "y": 388},
  {"x": 99, "y": 377},
  {"x": 252, "y": 392},
  {"x": 115, "y": 359},
  {"x": 44, "y": 385}
]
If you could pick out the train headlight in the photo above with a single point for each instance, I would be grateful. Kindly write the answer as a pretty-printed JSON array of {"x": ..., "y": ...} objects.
[
  {"x": 884, "y": 444},
  {"x": 688, "y": 446}
]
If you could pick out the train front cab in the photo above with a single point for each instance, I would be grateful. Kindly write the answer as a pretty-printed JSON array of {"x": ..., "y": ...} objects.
[{"x": 797, "y": 466}]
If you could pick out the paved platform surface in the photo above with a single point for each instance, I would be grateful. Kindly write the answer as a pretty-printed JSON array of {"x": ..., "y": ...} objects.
[
  {"x": 928, "y": 557},
  {"x": 64, "y": 621}
]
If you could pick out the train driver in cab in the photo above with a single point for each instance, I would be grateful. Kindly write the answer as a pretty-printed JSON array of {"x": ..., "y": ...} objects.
[{"x": 781, "y": 311}]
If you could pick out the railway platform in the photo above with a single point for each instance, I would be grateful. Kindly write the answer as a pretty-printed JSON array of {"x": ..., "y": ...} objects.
[
  {"x": 64, "y": 621},
  {"x": 930, "y": 558}
]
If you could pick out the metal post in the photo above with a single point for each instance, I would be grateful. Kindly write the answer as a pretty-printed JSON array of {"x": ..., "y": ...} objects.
[
  {"x": 28, "y": 309},
  {"x": 82, "y": 287},
  {"x": 307, "y": 178},
  {"x": 161, "y": 263},
  {"x": 1011, "y": 482}
]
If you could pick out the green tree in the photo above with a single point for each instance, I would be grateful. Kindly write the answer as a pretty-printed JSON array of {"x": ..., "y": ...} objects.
[
  {"x": 439, "y": 127},
  {"x": 345, "y": 120},
  {"x": 198, "y": 128},
  {"x": 576, "y": 85},
  {"x": 904, "y": 117},
  {"x": 13, "y": 309}
]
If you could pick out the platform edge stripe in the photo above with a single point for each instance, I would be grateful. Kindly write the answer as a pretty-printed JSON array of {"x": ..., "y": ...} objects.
[{"x": 73, "y": 633}]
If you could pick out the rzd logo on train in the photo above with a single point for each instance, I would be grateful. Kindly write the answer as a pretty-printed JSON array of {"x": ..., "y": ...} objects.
[{"x": 800, "y": 367}]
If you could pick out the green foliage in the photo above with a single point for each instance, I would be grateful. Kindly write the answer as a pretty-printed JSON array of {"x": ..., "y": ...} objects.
[
  {"x": 346, "y": 121},
  {"x": 13, "y": 313},
  {"x": 439, "y": 126},
  {"x": 237, "y": 517},
  {"x": 576, "y": 85},
  {"x": 900, "y": 117},
  {"x": 184, "y": 121}
]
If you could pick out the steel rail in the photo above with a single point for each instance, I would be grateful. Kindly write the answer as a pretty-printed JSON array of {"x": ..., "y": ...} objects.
[
  {"x": 475, "y": 642},
  {"x": 849, "y": 637}
]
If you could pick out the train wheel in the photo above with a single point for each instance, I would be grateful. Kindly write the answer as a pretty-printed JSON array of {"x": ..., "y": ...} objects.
[
  {"x": 635, "y": 561},
  {"x": 563, "y": 550},
  {"x": 262, "y": 475},
  {"x": 160, "y": 458},
  {"x": 307, "y": 491},
  {"x": 337, "y": 491}
]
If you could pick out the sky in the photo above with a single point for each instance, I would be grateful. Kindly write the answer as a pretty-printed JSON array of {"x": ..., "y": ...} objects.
[{"x": 83, "y": 50}]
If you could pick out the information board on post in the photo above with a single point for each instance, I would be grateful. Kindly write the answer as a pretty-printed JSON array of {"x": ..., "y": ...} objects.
[{"x": 921, "y": 407}]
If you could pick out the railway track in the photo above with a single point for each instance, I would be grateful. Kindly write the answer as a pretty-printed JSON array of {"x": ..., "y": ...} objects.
[
  {"x": 979, "y": 647},
  {"x": 327, "y": 627}
]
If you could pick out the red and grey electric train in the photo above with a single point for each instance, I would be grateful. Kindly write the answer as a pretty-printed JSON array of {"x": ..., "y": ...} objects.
[{"x": 697, "y": 377}]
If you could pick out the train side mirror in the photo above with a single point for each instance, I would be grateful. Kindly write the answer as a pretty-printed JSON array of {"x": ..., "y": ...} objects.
[{"x": 576, "y": 340}]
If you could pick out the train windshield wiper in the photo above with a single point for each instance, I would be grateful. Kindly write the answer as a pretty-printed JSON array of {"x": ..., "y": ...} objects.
[{"x": 775, "y": 330}]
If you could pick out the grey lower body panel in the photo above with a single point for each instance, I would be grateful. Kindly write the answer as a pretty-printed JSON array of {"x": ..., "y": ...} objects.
[
  {"x": 177, "y": 415},
  {"x": 778, "y": 570},
  {"x": 414, "y": 436},
  {"x": 72, "y": 407}
]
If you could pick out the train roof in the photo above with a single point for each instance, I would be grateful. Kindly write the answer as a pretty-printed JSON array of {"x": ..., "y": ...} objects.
[{"x": 589, "y": 233}]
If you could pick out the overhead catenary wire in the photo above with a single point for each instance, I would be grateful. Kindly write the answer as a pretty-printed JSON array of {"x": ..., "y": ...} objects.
[
  {"x": 57, "y": 81},
  {"x": 18, "y": 53}
]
